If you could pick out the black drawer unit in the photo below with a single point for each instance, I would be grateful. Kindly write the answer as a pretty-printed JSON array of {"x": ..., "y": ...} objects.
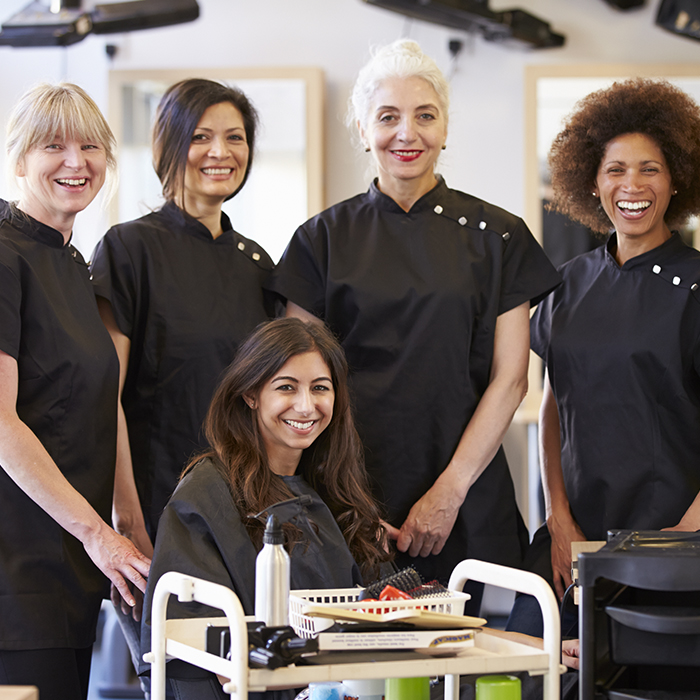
[{"x": 639, "y": 617}]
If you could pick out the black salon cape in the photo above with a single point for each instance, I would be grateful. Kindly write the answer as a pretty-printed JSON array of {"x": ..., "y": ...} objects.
[
  {"x": 414, "y": 299},
  {"x": 185, "y": 300},
  {"x": 201, "y": 534},
  {"x": 50, "y": 591},
  {"x": 622, "y": 347}
]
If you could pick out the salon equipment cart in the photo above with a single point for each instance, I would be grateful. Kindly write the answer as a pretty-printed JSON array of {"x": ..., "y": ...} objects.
[{"x": 184, "y": 639}]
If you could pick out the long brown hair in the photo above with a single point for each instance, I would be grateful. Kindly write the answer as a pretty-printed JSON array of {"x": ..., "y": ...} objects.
[{"x": 333, "y": 465}]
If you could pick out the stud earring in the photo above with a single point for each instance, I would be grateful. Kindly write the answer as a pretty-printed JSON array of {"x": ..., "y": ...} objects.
[
  {"x": 367, "y": 149},
  {"x": 595, "y": 194},
  {"x": 675, "y": 191},
  {"x": 250, "y": 403},
  {"x": 444, "y": 146}
]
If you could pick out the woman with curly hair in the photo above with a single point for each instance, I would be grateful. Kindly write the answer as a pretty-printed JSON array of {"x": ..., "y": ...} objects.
[
  {"x": 280, "y": 425},
  {"x": 620, "y": 418}
]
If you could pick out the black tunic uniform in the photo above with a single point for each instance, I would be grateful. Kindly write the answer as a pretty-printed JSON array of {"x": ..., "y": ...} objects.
[
  {"x": 201, "y": 534},
  {"x": 622, "y": 348},
  {"x": 50, "y": 591},
  {"x": 185, "y": 300},
  {"x": 414, "y": 298}
]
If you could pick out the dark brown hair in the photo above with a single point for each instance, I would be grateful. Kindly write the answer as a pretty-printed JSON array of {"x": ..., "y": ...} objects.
[
  {"x": 654, "y": 108},
  {"x": 333, "y": 465},
  {"x": 179, "y": 111}
]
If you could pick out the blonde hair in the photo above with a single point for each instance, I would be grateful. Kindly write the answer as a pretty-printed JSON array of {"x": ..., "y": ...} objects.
[
  {"x": 46, "y": 112},
  {"x": 401, "y": 59}
]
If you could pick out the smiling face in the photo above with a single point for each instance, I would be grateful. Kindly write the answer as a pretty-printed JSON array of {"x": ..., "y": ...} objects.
[
  {"x": 60, "y": 178},
  {"x": 406, "y": 129},
  {"x": 217, "y": 159},
  {"x": 635, "y": 188},
  {"x": 293, "y": 409}
]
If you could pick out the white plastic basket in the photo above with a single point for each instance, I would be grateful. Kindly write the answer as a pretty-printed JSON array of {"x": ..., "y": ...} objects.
[{"x": 349, "y": 599}]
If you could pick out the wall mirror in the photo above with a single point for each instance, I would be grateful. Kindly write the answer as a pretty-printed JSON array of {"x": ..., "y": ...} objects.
[
  {"x": 285, "y": 186},
  {"x": 551, "y": 93}
]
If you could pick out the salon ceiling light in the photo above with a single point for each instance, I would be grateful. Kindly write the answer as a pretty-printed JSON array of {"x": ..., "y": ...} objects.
[
  {"x": 64, "y": 22},
  {"x": 515, "y": 27}
]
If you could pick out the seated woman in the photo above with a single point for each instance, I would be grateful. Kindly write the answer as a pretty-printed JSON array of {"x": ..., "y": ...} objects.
[{"x": 279, "y": 426}]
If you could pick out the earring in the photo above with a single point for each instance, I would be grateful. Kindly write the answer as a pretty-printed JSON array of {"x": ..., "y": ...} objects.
[
  {"x": 675, "y": 191},
  {"x": 444, "y": 146},
  {"x": 250, "y": 403},
  {"x": 595, "y": 194},
  {"x": 367, "y": 149}
]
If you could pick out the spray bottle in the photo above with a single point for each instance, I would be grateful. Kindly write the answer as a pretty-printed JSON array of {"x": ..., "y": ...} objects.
[{"x": 272, "y": 577}]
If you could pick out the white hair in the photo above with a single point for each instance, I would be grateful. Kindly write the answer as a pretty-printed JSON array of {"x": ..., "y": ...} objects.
[{"x": 401, "y": 59}]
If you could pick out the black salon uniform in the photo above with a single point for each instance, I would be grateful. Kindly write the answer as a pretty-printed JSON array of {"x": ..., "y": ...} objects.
[
  {"x": 185, "y": 300},
  {"x": 414, "y": 298},
  {"x": 50, "y": 591},
  {"x": 622, "y": 348},
  {"x": 201, "y": 534}
]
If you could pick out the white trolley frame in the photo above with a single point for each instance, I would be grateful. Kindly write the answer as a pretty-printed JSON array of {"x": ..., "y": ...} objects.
[{"x": 185, "y": 639}]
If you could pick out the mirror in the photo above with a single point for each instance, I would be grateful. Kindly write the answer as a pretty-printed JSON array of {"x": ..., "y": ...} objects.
[
  {"x": 285, "y": 186},
  {"x": 551, "y": 93}
]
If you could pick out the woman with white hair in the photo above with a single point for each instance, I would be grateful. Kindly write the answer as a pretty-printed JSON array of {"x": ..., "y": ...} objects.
[
  {"x": 58, "y": 404},
  {"x": 428, "y": 289}
]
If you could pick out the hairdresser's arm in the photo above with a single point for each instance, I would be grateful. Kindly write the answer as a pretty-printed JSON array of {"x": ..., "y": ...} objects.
[
  {"x": 690, "y": 522},
  {"x": 432, "y": 518},
  {"x": 30, "y": 466},
  {"x": 562, "y": 527},
  {"x": 127, "y": 515}
]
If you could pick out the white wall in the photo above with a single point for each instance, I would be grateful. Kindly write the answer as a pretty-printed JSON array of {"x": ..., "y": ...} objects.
[
  {"x": 486, "y": 143},
  {"x": 485, "y": 146}
]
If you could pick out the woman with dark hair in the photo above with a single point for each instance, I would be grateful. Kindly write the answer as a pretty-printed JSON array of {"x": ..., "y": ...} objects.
[
  {"x": 620, "y": 418},
  {"x": 58, "y": 403},
  {"x": 279, "y": 426},
  {"x": 429, "y": 291},
  {"x": 178, "y": 289}
]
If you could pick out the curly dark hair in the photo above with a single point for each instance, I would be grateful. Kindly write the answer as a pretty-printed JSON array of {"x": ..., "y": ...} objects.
[{"x": 654, "y": 108}]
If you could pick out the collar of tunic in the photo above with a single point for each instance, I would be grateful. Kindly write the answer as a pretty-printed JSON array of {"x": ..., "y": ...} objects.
[
  {"x": 32, "y": 228},
  {"x": 192, "y": 226},
  {"x": 427, "y": 202}
]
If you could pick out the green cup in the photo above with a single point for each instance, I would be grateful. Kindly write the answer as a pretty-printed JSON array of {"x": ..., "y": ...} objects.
[
  {"x": 498, "y": 688},
  {"x": 407, "y": 689}
]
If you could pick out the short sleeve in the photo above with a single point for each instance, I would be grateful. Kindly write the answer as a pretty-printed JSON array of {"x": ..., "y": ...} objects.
[
  {"x": 10, "y": 316},
  {"x": 541, "y": 328},
  {"x": 114, "y": 278},
  {"x": 300, "y": 275},
  {"x": 527, "y": 273}
]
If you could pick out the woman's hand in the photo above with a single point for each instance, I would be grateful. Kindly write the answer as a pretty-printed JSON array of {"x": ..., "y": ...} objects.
[
  {"x": 119, "y": 561},
  {"x": 563, "y": 532},
  {"x": 430, "y": 521},
  {"x": 690, "y": 522},
  {"x": 570, "y": 649}
]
